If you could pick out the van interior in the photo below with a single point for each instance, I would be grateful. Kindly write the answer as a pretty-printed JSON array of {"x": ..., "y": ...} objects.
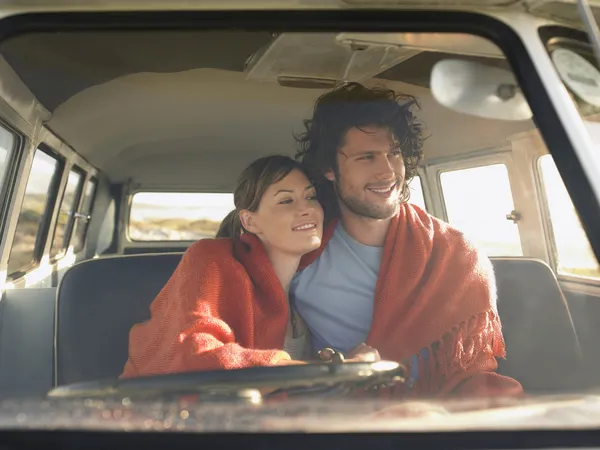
[{"x": 121, "y": 148}]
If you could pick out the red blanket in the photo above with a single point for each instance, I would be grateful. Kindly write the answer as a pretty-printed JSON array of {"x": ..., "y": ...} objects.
[{"x": 225, "y": 308}]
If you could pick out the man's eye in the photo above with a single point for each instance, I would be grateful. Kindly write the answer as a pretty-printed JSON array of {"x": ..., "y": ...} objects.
[
  {"x": 396, "y": 153},
  {"x": 366, "y": 158}
]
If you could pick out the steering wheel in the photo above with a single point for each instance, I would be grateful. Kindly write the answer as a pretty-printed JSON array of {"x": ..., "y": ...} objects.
[{"x": 323, "y": 378}]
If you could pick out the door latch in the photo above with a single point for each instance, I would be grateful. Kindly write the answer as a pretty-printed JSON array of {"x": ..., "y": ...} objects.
[{"x": 514, "y": 216}]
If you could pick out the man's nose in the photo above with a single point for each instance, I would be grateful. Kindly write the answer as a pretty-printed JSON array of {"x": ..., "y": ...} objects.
[{"x": 386, "y": 169}]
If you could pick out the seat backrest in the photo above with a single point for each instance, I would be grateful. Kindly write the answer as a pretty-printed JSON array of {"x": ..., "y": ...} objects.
[
  {"x": 543, "y": 351},
  {"x": 97, "y": 303}
]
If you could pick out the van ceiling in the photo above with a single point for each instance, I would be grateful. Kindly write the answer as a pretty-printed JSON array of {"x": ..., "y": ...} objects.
[
  {"x": 56, "y": 66},
  {"x": 174, "y": 107}
]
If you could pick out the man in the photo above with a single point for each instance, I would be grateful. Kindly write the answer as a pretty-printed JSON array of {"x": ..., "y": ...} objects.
[{"x": 391, "y": 281}]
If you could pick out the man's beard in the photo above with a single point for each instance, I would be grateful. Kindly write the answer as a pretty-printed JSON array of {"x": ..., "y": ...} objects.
[{"x": 365, "y": 209}]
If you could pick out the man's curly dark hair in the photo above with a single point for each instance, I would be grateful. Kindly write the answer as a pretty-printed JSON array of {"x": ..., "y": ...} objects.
[{"x": 352, "y": 105}]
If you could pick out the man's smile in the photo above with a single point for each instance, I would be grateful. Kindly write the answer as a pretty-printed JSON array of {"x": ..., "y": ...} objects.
[{"x": 384, "y": 191}]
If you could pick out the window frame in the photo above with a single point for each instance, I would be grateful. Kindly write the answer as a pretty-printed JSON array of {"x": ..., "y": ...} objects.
[
  {"x": 43, "y": 231},
  {"x": 82, "y": 215},
  {"x": 472, "y": 160},
  {"x": 549, "y": 235},
  {"x": 13, "y": 163},
  {"x": 62, "y": 251}
]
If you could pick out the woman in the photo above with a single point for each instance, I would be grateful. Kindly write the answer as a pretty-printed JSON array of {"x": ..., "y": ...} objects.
[{"x": 227, "y": 305}]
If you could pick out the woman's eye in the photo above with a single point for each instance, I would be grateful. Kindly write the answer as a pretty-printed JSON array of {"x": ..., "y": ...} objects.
[
  {"x": 285, "y": 202},
  {"x": 312, "y": 197}
]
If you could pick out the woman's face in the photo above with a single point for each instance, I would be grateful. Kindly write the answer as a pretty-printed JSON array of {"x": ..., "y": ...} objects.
[{"x": 289, "y": 217}]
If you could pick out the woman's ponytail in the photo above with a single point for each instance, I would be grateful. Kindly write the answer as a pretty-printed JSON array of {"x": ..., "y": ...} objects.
[{"x": 231, "y": 226}]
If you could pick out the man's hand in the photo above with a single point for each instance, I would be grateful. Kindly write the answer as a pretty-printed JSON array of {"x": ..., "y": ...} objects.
[
  {"x": 363, "y": 353},
  {"x": 360, "y": 353}
]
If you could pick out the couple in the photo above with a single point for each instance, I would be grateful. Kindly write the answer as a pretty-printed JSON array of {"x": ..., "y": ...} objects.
[{"x": 361, "y": 272}]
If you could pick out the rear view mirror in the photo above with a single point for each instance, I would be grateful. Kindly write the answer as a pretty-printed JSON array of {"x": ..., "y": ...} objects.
[{"x": 477, "y": 89}]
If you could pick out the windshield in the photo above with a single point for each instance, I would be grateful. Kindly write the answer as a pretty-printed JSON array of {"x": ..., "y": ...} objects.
[{"x": 299, "y": 227}]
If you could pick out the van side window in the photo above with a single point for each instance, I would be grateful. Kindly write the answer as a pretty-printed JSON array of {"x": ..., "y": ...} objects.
[
  {"x": 82, "y": 221},
  {"x": 42, "y": 176},
  {"x": 68, "y": 207},
  {"x": 477, "y": 201},
  {"x": 416, "y": 193},
  {"x": 177, "y": 216},
  {"x": 572, "y": 251},
  {"x": 7, "y": 144}
]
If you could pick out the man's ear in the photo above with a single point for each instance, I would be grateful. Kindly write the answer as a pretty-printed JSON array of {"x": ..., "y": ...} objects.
[
  {"x": 248, "y": 221},
  {"x": 330, "y": 175}
]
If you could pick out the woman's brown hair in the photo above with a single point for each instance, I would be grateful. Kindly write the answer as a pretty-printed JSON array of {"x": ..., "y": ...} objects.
[{"x": 251, "y": 186}]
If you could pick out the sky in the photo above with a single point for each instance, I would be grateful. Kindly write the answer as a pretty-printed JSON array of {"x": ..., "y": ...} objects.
[{"x": 190, "y": 206}]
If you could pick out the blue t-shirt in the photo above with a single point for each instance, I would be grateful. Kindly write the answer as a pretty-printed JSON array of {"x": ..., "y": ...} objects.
[{"x": 335, "y": 294}]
